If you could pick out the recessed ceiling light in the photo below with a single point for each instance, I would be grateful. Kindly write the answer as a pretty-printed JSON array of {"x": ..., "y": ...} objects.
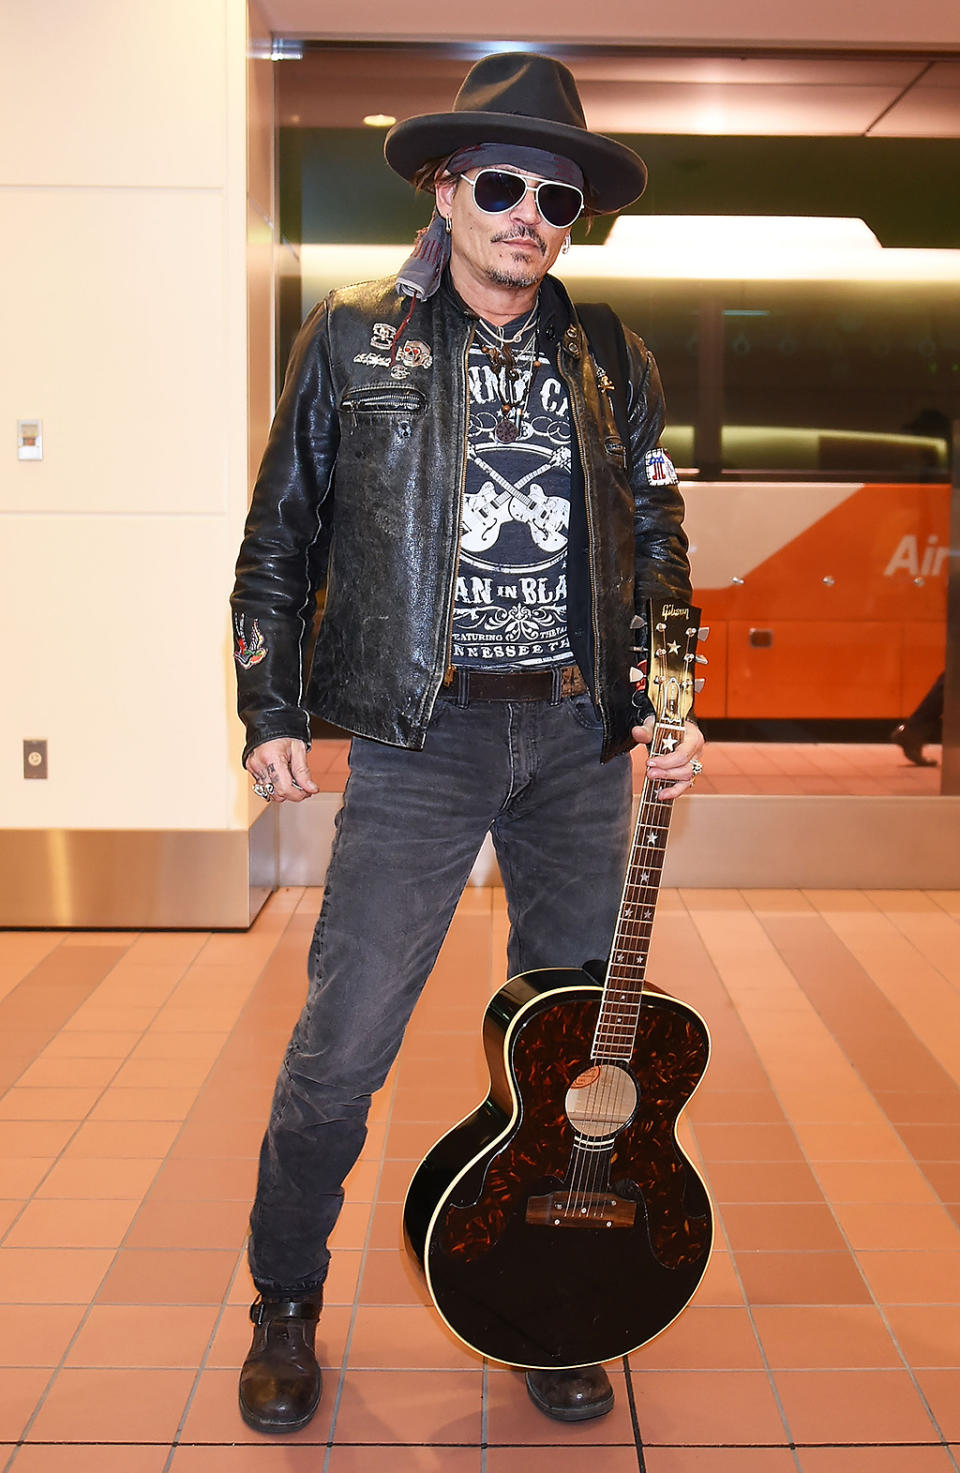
[{"x": 379, "y": 120}]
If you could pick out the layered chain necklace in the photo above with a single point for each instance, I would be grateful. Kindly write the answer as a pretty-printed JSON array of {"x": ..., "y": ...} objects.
[{"x": 510, "y": 357}]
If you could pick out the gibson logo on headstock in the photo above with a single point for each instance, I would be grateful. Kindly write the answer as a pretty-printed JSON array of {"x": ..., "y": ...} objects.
[{"x": 672, "y": 610}]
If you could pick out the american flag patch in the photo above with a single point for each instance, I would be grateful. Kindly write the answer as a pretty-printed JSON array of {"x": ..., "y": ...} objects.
[{"x": 660, "y": 468}]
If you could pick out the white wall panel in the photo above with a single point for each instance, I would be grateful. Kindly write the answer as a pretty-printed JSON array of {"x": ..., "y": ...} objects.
[
  {"x": 122, "y": 661},
  {"x": 114, "y": 92},
  {"x": 118, "y": 345}
]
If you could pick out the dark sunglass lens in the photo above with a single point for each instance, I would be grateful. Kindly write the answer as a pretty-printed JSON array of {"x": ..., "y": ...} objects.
[
  {"x": 560, "y": 204},
  {"x": 495, "y": 192}
]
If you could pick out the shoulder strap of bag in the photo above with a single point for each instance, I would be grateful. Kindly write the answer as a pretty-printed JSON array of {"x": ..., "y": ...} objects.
[{"x": 608, "y": 345}]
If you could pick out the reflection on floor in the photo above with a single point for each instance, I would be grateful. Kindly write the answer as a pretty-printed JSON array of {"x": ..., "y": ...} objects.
[
  {"x": 826, "y": 1335},
  {"x": 862, "y": 769}
]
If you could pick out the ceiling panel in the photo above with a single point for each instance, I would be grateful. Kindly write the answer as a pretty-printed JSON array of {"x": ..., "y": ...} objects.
[
  {"x": 335, "y": 87},
  {"x": 735, "y": 108},
  {"x": 756, "y": 70},
  {"x": 930, "y": 109}
]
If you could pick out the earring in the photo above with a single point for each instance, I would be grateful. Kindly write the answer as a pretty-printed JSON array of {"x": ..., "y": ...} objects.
[
  {"x": 566, "y": 245},
  {"x": 446, "y": 224}
]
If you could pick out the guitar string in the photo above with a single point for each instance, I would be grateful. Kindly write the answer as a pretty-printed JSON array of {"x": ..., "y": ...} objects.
[
  {"x": 591, "y": 1174},
  {"x": 590, "y": 1170},
  {"x": 590, "y": 1165},
  {"x": 590, "y": 1179}
]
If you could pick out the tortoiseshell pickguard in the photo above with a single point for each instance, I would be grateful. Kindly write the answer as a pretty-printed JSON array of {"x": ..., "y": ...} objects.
[{"x": 550, "y": 1047}]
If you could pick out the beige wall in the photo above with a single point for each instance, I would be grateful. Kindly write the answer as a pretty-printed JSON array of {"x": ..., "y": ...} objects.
[
  {"x": 123, "y": 298},
  {"x": 136, "y": 272}
]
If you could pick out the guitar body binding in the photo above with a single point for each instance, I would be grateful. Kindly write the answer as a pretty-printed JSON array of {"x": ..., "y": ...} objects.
[{"x": 554, "y": 1234}]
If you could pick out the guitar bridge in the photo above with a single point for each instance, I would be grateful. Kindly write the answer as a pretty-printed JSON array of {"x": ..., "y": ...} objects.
[{"x": 581, "y": 1209}]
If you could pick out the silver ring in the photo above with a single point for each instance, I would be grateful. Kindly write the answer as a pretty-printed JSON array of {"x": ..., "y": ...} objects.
[
  {"x": 264, "y": 791},
  {"x": 696, "y": 767}
]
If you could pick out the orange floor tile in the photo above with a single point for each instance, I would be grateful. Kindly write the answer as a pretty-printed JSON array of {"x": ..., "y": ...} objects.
[
  {"x": 862, "y": 768},
  {"x": 825, "y": 1338}
]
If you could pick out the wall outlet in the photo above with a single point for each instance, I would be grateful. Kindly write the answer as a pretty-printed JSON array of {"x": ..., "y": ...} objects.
[
  {"x": 35, "y": 759},
  {"x": 29, "y": 439}
]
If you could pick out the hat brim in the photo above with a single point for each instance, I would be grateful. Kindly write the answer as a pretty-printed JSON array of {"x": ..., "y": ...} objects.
[{"x": 616, "y": 175}]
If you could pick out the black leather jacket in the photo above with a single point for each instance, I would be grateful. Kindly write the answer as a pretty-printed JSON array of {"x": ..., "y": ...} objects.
[{"x": 360, "y": 490}]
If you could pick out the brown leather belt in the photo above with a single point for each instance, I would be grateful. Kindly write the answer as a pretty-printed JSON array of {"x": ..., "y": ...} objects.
[{"x": 514, "y": 685}]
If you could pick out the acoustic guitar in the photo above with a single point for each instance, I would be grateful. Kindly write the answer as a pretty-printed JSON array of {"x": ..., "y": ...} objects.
[{"x": 561, "y": 1223}]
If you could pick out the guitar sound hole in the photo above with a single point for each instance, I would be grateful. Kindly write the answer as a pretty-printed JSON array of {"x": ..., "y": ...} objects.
[{"x": 600, "y": 1101}]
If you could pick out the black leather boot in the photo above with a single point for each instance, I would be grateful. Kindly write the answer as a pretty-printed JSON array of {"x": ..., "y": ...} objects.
[
  {"x": 910, "y": 741},
  {"x": 574, "y": 1395},
  {"x": 280, "y": 1379}
]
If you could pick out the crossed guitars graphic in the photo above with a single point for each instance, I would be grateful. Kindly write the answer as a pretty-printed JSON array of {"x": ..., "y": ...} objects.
[{"x": 486, "y": 510}]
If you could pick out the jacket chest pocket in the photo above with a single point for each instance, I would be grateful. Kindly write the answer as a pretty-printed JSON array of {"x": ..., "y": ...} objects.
[{"x": 389, "y": 406}]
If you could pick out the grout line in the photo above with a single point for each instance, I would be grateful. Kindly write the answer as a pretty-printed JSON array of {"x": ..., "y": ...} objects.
[
  {"x": 348, "y": 1341},
  {"x": 761, "y": 1064},
  {"x": 634, "y": 1419},
  {"x": 878, "y": 1306},
  {"x": 175, "y": 1442},
  {"x": 94, "y": 1296}
]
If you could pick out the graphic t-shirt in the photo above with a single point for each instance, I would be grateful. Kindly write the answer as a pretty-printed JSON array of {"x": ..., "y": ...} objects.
[{"x": 511, "y": 597}]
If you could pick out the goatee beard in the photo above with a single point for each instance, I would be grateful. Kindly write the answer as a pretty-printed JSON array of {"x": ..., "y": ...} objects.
[{"x": 519, "y": 281}]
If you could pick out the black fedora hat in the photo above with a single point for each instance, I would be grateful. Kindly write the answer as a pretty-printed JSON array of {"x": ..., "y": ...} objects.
[{"x": 521, "y": 98}]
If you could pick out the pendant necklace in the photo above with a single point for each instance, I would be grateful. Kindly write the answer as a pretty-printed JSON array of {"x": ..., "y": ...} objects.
[{"x": 502, "y": 358}]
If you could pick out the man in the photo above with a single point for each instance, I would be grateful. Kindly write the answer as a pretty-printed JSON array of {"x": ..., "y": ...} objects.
[{"x": 447, "y": 447}]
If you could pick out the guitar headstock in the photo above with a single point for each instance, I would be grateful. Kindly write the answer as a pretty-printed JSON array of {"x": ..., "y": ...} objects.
[{"x": 670, "y": 633}]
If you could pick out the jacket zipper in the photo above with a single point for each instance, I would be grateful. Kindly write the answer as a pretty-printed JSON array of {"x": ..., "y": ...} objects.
[
  {"x": 382, "y": 399},
  {"x": 455, "y": 563},
  {"x": 591, "y": 537}
]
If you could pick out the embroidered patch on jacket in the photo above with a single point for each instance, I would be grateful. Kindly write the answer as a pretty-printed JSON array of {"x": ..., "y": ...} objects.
[
  {"x": 660, "y": 468},
  {"x": 382, "y": 335},
  {"x": 415, "y": 354},
  {"x": 249, "y": 654}
]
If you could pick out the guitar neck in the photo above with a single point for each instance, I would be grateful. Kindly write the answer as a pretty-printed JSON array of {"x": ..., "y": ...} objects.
[{"x": 623, "y": 989}]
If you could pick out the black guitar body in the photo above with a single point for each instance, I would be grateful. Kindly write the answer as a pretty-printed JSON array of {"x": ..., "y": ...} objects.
[{"x": 550, "y": 1244}]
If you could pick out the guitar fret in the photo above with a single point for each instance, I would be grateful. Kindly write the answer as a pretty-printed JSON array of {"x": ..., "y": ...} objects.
[{"x": 669, "y": 686}]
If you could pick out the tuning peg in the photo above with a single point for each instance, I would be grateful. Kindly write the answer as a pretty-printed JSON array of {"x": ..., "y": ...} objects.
[
  {"x": 637, "y": 622},
  {"x": 698, "y": 685},
  {"x": 636, "y": 674},
  {"x": 660, "y": 627},
  {"x": 701, "y": 659},
  {"x": 703, "y": 632}
]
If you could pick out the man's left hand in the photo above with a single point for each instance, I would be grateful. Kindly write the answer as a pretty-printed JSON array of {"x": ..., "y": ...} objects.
[{"x": 672, "y": 768}]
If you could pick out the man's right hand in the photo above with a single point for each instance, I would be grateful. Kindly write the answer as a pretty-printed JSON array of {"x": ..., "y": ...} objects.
[{"x": 282, "y": 762}]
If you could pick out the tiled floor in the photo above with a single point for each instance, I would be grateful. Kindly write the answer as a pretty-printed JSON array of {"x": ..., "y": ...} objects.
[
  {"x": 825, "y": 1337},
  {"x": 835, "y": 768}
]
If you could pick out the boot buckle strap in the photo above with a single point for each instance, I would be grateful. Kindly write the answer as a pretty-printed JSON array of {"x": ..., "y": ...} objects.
[{"x": 262, "y": 1311}]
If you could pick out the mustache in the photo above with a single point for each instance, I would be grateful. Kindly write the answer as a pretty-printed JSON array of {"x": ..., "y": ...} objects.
[{"x": 522, "y": 232}]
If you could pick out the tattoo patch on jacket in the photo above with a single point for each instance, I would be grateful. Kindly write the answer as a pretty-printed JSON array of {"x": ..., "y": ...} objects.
[
  {"x": 660, "y": 468},
  {"x": 247, "y": 654}
]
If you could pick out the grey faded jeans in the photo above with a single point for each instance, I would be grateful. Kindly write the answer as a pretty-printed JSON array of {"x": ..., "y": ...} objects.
[{"x": 408, "y": 833}]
